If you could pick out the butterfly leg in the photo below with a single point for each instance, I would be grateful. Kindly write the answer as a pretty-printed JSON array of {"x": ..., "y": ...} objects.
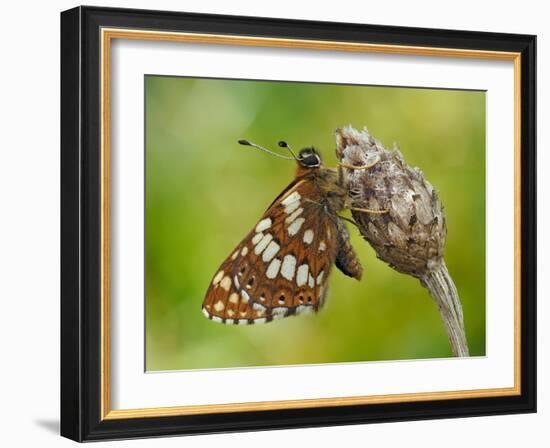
[
  {"x": 368, "y": 210},
  {"x": 343, "y": 180},
  {"x": 359, "y": 167}
]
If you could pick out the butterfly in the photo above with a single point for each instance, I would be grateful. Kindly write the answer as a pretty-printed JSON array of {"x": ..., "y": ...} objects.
[{"x": 282, "y": 266}]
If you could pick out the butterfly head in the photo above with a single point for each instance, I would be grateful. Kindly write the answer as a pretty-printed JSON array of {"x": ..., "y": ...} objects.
[{"x": 309, "y": 158}]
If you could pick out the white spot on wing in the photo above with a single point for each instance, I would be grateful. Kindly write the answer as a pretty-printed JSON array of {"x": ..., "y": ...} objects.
[
  {"x": 278, "y": 312},
  {"x": 301, "y": 276},
  {"x": 256, "y": 238},
  {"x": 290, "y": 208},
  {"x": 258, "y": 307},
  {"x": 293, "y": 197},
  {"x": 288, "y": 267},
  {"x": 234, "y": 298},
  {"x": 218, "y": 306},
  {"x": 206, "y": 313},
  {"x": 273, "y": 268},
  {"x": 270, "y": 251},
  {"x": 217, "y": 278},
  {"x": 311, "y": 281},
  {"x": 263, "y": 225},
  {"x": 305, "y": 309},
  {"x": 217, "y": 319},
  {"x": 291, "y": 202},
  {"x": 294, "y": 215},
  {"x": 294, "y": 228},
  {"x": 226, "y": 283},
  {"x": 322, "y": 246},
  {"x": 260, "y": 321},
  {"x": 262, "y": 244},
  {"x": 234, "y": 256},
  {"x": 244, "y": 251},
  {"x": 320, "y": 277},
  {"x": 308, "y": 236},
  {"x": 245, "y": 297}
]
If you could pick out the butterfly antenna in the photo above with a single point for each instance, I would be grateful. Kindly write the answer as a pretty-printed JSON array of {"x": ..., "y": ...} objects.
[
  {"x": 244, "y": 142},
  {"x": 284, "y": 144}
]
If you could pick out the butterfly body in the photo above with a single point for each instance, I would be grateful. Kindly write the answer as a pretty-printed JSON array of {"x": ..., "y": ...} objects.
[{"x": 281, "y": 267}]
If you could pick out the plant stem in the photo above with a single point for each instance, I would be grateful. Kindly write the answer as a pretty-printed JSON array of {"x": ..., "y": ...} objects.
[{"x": 443, "y": 290}]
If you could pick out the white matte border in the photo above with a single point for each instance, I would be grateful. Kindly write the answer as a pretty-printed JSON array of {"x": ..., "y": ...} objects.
[{"x": 132, "y": 388}]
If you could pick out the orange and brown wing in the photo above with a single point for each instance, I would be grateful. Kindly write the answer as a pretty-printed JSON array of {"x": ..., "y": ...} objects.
[{"x": 282, "y": 266}]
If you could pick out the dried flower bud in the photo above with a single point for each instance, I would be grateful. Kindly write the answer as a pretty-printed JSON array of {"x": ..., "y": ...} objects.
[{"x": 410, "y": 237}]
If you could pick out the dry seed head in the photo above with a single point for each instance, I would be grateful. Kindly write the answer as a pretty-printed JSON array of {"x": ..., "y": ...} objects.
[{"x": 411, "y": 236}]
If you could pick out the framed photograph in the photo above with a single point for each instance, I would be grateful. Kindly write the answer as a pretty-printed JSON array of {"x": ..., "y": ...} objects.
[{"x": 274, "y": 223}]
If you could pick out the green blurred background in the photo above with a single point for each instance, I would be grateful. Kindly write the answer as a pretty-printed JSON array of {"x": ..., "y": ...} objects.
[{"x": 204, "y": 192}]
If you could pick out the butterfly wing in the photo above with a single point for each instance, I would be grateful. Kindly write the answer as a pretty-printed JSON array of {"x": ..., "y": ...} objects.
[{"x": 281, "y": 267}]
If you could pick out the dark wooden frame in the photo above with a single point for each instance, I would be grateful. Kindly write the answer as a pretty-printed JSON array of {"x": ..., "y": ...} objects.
[{"x": 81, "y": 224}]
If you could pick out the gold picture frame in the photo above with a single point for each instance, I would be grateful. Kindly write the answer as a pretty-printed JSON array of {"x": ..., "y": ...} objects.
[{"x": 118, "y": 26}]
